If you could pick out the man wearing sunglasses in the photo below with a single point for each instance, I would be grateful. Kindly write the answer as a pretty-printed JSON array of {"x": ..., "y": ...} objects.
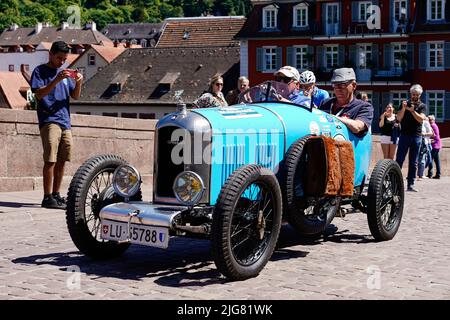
[
  {"x": 356, "y": 114},
  {"x": 291, "y": 77}
]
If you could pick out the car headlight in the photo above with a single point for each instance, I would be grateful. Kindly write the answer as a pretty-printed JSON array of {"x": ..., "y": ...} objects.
[
  {"x": 188, "y": 188},
  {"x": 126, "y": 181}
]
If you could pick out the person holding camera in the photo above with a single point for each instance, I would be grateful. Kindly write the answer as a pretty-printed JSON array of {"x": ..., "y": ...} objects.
[
  {"x": 411, "y": 115},
  {"x": 388, "y": 126},
  {"x": 53, "y": 88}
]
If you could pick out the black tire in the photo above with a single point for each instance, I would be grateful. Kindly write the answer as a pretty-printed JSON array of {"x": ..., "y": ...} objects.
[
  {"x": 90, "y": 190},
  {"x": 385, "y": 200},
  {"x": 241, "y": 251},
  {"x": 308, "y": 216}
]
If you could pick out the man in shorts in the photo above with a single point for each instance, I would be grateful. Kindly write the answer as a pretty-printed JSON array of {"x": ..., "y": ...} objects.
[{"x": 53, "y": 88}]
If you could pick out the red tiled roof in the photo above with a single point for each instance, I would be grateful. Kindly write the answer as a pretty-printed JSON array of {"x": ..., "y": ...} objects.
[
  {"x": 108, "y": 53},
  {"x": 10, "y": 85},
  {"x": 200, "y": 32}
]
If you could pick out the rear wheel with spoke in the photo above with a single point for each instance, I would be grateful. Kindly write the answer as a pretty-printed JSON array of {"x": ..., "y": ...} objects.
[
  {"x": 385, "y": 200},
  {"x": 90, "y": 190},
  {"x": 246, "y": 222}
]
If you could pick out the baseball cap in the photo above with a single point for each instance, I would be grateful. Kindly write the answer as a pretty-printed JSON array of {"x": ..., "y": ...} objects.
[
  {"x": 289, "y": 72},
  {"x": 343, "y": 75}
]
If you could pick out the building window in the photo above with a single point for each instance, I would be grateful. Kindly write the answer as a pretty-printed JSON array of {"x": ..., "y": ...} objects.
[
  {"x": 147, "y": 116},
  {"x": 435, "y": 10},
  {"x": 91, "y": 59},
  {"x": 110, "y": 114},
  {"x": 398, "y": 97},
  {"x": 301, "y": 16},
  {"x": 270, "y": 59},
  {"x": 363, "y": 10},
  {"x": 129, "y": 115},
  {"x": 11, "y": 68},
  {"x": 365, "y": 56},
  {"x": 144, "y": 43},
  {"x": 82, "y": 70},
  {"x": 270, "y": 17},
  {"x": 436, "y": 104},
  {"x": 399, "y": 55},
  {"x": 400, "y": 13},
  {"x": 435, "y": 55},
  {"x": 331, "y": 57},
  {"x": 301, "y": 58}
]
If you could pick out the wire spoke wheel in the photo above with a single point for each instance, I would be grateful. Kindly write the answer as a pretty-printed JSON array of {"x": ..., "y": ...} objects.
[
  {"x": 246, "y": 222},
  {"x": 385, "y": 200}
]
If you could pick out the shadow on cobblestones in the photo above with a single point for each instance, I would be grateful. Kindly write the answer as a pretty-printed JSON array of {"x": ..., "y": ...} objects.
[{"x": 19, "y": 205}]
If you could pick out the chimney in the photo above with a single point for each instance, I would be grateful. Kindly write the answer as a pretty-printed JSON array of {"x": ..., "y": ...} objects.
[
  {"x": 64, "y": 25},
  {"x": 13, "y": 27},
  {"x": 38, "y": 27},
  {"x": 91, "y": 25}
]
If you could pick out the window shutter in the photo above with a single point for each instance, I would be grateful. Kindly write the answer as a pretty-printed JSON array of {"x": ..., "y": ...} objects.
[
  {"x": 320, "y": 56},
  {"x": 311, "y": 60},
  {"x": 353, "y": 55},
  {"x": 387, "y": 56},
  {"x": 447, "y": 54},
  {"x": 410, "y": 56},
  {"x": 279, "y": 57},
  {"x": 447, "y": 106},
  {"x": 290, "y": 57},
  {"x": 385, "y": 99},
  {"x": 392, "y": 20},
  {"x": 259, "y": 59},
  {"x": 355, "y": 7},
  {"x": 422, "y": 56},
  {"x": 341, "y": 58},
  {"x": 324, "y": 18},
  {"x": 375, "y": 52},
  {"x": 376, "y": 111}
]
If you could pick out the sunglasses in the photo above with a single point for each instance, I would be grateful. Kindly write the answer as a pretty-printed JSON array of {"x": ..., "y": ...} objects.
[
  {"x": 219, "y": 84},
  {"x": 284, "y": 79},
  {"x": 341, "y": 85}
]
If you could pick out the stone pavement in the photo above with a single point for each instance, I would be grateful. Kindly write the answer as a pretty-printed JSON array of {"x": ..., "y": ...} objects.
[{"x": 39, "y": 261}]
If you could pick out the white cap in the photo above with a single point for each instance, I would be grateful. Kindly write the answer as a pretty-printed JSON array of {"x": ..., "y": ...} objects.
[{"x": 289, "y": 72}]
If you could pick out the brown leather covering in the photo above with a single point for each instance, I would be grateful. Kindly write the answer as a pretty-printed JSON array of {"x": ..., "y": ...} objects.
[
  {"x": 347, "y": 165},
  {"x": 330, "y": 167}
]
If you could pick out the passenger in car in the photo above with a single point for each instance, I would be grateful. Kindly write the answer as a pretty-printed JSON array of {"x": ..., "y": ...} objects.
[
  {"x": 291, "y": 77},
  {"x": 356, "y": 114},
  {"x": 213, "y": 98}
]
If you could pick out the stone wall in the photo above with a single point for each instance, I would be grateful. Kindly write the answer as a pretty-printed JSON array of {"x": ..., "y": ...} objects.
[{"x": 21, "y": 149}]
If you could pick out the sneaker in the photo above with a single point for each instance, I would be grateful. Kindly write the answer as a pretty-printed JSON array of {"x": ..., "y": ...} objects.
[
  {"x": 58, "y": 197},
  {"x": 51, "y": 203},
  {"x": 412, "y": 189},
  {"x": 436, "y": 177}
]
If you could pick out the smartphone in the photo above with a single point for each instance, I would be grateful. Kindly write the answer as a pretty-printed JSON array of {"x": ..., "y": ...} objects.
[{"x": 73, "y": 73}]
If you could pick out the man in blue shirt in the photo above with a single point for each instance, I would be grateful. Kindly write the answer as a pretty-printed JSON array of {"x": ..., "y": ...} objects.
[
  {"x": 356, "y": 114},
  {"x": 309, "y": 89},
  {"x": 53, "y": 88}
]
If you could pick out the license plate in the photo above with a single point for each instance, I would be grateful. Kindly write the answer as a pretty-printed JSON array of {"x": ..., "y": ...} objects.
[{"x": 139, "y": 234}]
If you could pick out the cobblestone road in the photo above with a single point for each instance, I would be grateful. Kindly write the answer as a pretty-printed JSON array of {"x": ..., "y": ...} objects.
[{"x": 39, "y": 261}]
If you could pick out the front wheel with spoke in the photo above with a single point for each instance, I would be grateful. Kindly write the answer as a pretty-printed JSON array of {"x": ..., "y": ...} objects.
[
  {"x": 385, "y": 199},
  {"x": 90, "y": 190},
  {"x": 246, "y": 222}
]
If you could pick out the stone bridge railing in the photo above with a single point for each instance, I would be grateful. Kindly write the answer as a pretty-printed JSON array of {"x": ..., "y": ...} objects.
[{"x": 21, "y": 149}]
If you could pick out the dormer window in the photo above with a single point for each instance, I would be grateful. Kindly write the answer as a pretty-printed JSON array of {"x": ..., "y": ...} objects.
[
  {"x": 270, "y": 17},
  {"x": 301, "y": 16},
  {"x": 435, "y": 10}
]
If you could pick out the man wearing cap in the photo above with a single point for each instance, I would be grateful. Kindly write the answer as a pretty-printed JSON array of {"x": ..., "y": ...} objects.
[
  {"x": 356, "y": 114},
  {"x": 53, "y": 88},
  {"x": 290, "y": 76}
]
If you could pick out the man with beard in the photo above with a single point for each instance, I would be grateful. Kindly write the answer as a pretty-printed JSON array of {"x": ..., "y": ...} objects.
[{"x": 411, "y": 116}]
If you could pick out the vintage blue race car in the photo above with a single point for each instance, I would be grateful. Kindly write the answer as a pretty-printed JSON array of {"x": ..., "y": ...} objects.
[{"x": 233, "y": 175}]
